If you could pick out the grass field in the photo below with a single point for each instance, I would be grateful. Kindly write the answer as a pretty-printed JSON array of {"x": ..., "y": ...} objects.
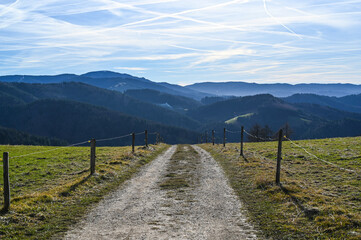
[
  {"x": 52, "y": 190},
  {"x": 315, "y": 200}
]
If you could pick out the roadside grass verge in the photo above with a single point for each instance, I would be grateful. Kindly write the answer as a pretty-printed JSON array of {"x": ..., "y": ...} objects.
[
  {"x": 315, "y": 200},
  {"x": 51, "y": 191}
]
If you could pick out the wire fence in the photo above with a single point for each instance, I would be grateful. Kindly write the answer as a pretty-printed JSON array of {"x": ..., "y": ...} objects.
[
  {"x": 51, "y": 150},
  {"x": 114, "y": 138},
  {"x": 260, "y": 138},
  {"x": 318, "y": 158},
  {"x": 81, "y": 143},
  {"x": 7, "y": 157},
  {"x": 279, "y": 138}
]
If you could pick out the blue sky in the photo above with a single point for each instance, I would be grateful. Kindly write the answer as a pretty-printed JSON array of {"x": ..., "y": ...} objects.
[{"x": 263, "y": 41}]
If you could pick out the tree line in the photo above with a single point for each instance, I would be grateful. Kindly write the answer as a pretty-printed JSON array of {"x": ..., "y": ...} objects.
[{"x": 265, "y": 133}]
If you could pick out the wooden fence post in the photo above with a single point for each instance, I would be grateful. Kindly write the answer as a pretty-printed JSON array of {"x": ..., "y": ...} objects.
[
  {"x": 213, "y": 137},
  {"x": 146, "y": 138},
  {"x": 224, "y": 137},
  {"x": 92, "y": 156},
  {"x": 6, "y": 182},
  {"x": 279, "y": 157},
  {"x": 242, "y": 130},
  {"x": 133, "y": 141}
]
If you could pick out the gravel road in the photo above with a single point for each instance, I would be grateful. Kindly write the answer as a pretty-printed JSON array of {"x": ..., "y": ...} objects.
[{"x": 152, "y": 206}]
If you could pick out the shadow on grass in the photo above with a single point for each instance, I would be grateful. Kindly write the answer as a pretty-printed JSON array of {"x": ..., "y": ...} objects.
[
  {"x": 310, "y": 213},
  {"x": 73, "y": 187}
]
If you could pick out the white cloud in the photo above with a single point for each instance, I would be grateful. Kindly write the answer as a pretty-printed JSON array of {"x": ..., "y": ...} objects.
[
  {"x": 172, "y": 39},
  {"x": 223, "y": 55}
]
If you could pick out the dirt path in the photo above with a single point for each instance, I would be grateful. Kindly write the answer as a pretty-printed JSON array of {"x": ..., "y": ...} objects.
[{"x": 182, "y": 194}]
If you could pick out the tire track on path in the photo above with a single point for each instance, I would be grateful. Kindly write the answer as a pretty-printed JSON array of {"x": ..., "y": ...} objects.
[{"x": 183, "y": 194}]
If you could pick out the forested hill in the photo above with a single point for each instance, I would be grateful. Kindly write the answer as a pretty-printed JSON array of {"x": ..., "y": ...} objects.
[
  {"x": 21, "y": 93},
  {"x": 122, "y": 82},
  {"x": 74, "y": 111},
  {"x": 15, "y": 137},
  {"x": 306, "y": 120},
  {"x": 177, "y": 103},
  {"x": 77, "y": 122},
  {"x": 108, "y": 80},
  {"x": 350, "y": 103},
  {"x": 277, "y": 89}
]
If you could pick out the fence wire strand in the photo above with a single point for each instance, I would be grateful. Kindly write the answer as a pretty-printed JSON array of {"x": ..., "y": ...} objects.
[
  {"x": 263, "y": 139},
  {"x": 297, "y": 145},
  {"x": 113, "y": 138},
  {"x": 136, "y": 134},
  {"x": 77, "y": 144},
  {"x": 51, "y": 150},
  {"x": 233, "y": 131},
  {"x": 320, "y": 159}
]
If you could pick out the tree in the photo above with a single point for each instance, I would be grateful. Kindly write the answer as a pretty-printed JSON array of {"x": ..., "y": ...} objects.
[
  {"x": 254, "y": 133},
  {"x": 260, "y": 134},
  {"x": 266, "y": 133},
  {"x": 287, "y": 130}
]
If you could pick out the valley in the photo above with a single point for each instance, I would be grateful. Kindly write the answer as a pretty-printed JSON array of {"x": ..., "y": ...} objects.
[{"x": 44, "y": 106}]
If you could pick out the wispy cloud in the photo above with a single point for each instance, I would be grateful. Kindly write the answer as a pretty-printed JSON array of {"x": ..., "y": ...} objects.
[
  {"x": 223, "y": 55},
  {"x": 277, "y": 20},
  {"x": 184, "y": 41}
]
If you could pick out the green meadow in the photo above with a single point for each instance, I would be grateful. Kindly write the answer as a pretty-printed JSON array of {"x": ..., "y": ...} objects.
[
  {"x": 52, "y": 190},
  {"x": 316, "y": 200}
]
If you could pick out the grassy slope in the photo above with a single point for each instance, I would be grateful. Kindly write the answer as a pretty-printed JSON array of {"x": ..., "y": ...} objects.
[
  {"x": 316, "y": 200},
  {"x": 51, "y": 191}
]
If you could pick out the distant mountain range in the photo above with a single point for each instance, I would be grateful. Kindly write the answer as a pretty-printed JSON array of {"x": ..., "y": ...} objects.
[
  {"x": 122, "y": 82},
  {"x": 174, "y": 102},
  {"x": 278, "y": 90},
  {"x": 103, "y": 104},
  {"x": 22, "y": 93},
  {"x": 306, "y": 120},
  {"x": 351, "y": 103},
  {"x": 76, "y": 122},
  {"x": 109, "y": 80}
]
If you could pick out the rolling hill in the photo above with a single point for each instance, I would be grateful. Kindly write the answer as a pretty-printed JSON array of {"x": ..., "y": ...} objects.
[
  {"x": 306, "y": 120},
  {"x": 278, "y": 90},
  {"x": 224, "y": 110},
  {"x": 351, "y": 103},
  {"x": 122, "y": 82},
  {"x": 21, "y": 93},
  {"x": 186, "y": 92},
  {"x": 77, "y": 122},
  {"x": 108, "y": 80},
  {"x": 162, "y": 106},
  {"x": 177, "y": 103},
  {"x": 15, "y": 137}
]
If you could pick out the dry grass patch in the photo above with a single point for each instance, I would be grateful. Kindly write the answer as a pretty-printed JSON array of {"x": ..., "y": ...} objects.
[{"x": 315, "y": 200}]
